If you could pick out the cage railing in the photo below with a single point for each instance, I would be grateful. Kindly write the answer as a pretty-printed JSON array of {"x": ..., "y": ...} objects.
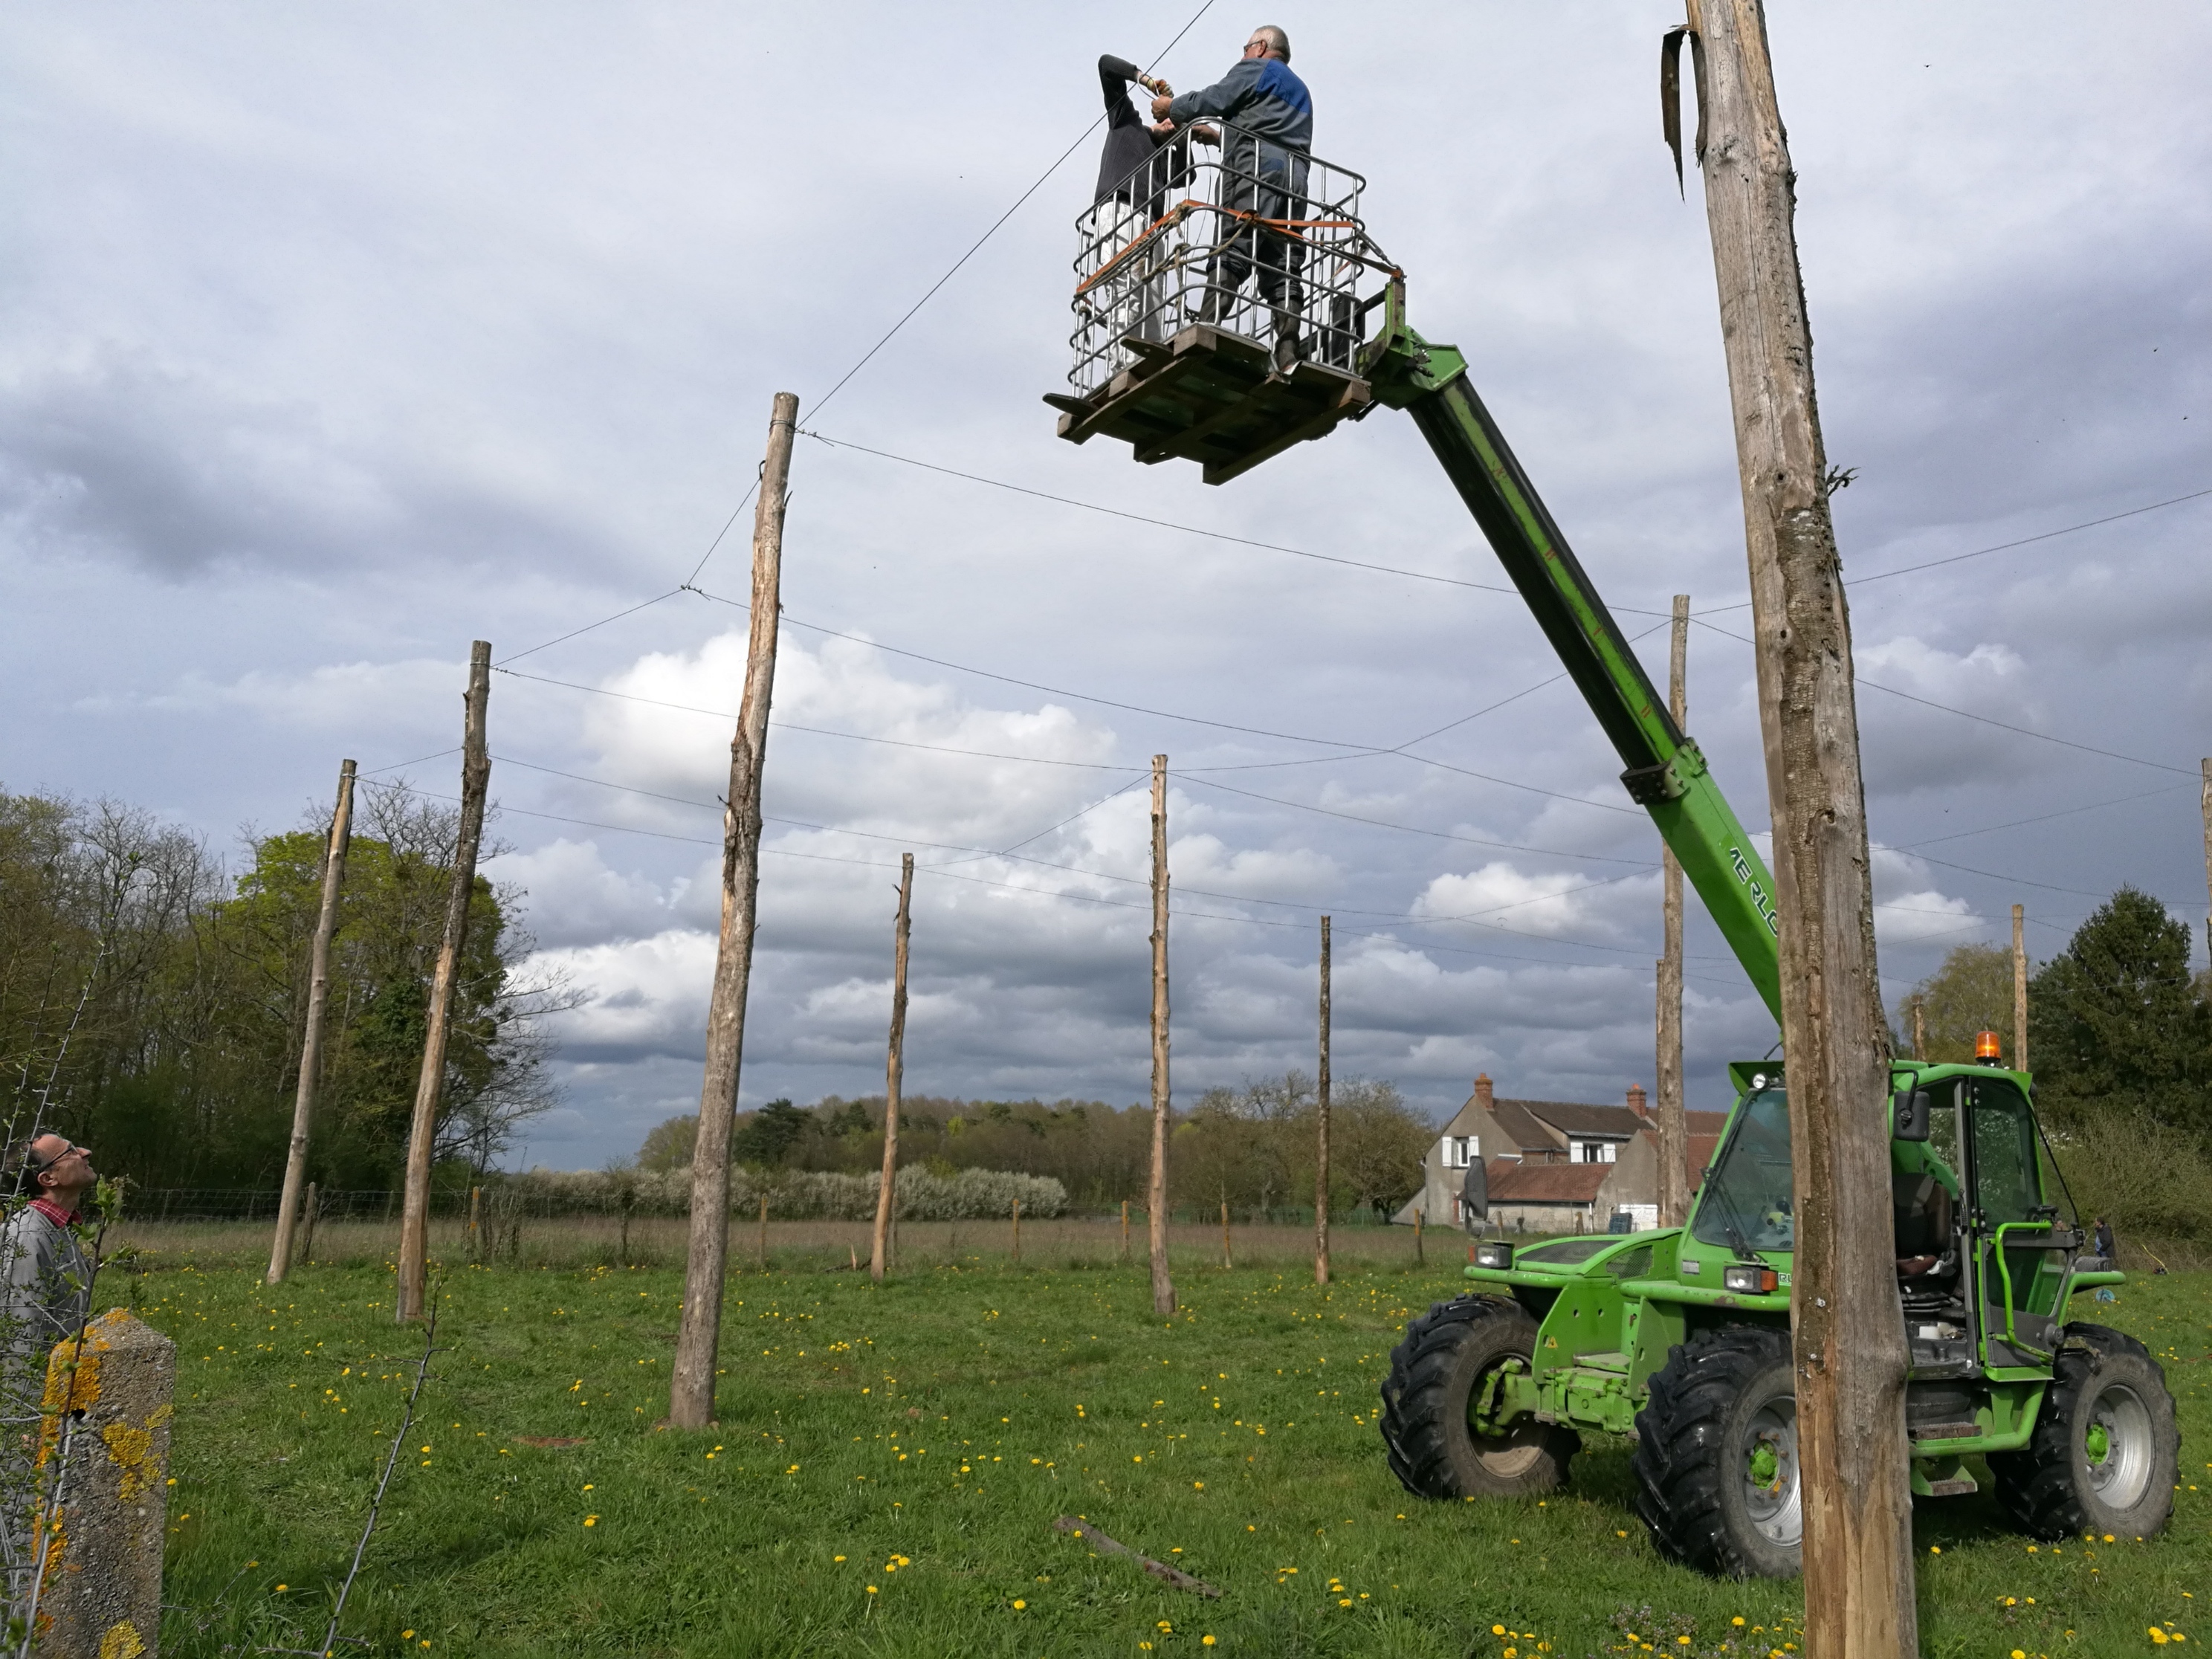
[{"x": 1242, "y": 234}]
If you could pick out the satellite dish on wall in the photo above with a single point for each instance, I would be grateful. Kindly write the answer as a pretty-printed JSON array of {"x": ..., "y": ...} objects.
[{"x": 1475, "y": 1197}]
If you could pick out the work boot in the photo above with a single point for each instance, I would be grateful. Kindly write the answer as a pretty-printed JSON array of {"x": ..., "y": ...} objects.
[{"x": 1288, "y": 349}]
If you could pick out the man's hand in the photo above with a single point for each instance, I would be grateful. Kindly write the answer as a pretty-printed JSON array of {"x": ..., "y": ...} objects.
[
  {"x": 1160, "y": 108},
  {"x": 1162, "y": 129},
  {"x": 1205, "y": 135}
]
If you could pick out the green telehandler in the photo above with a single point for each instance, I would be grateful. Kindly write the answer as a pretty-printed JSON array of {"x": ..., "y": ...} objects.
[{"x": 1678, "y": 1336}]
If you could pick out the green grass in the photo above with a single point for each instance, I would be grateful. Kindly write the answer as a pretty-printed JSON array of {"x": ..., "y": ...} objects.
[{"x": 1015, "y": 1395}]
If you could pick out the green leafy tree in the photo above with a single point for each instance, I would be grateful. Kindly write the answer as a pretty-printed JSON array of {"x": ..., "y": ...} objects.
[
  {"x": 669, "y": 1143},
  {"x": 1970, "y": 994},
  {"x": 2116, "y": 1022}
]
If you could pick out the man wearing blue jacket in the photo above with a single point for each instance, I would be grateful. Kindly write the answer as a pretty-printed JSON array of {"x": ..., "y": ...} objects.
[{"x": 1264, "y": 167}]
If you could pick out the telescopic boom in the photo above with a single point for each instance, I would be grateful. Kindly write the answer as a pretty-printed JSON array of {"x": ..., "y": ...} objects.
[{"x": 1666, "y": 772}]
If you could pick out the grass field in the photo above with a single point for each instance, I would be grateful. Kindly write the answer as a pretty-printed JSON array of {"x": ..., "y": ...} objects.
[{"x": 889, "y": 1463}]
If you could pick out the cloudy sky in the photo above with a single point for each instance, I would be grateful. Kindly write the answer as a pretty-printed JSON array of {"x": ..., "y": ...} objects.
[{"x": 340, "y": 336}]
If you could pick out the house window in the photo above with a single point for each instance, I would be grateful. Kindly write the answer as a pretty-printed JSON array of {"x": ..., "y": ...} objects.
[
  {"x": 1459, "y": 1151},
  {"x": 1595, "y": 1151}
]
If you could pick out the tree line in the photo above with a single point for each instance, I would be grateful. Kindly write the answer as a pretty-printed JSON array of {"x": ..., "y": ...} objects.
[
  {"x": 1251, "y": 1147},
  {"x": 153, "y": 1000}
]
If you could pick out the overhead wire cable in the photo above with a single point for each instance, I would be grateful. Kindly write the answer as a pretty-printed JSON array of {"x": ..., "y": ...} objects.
[{"x": 1984, "y": 719}]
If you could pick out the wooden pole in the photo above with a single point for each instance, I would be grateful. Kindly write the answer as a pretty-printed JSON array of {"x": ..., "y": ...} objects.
[
  {"x": 894, "y": 1079},
  {"x": 2207, "y": 803},
  {"x": 1226, "y": 1262},
  {"x": 1919, "y": 1029},
  {"x": 1421, "y": 1255},
  {"x": 476, "y": 1200},
  {"x": 698, "y": 1332},
  {"x": 2019, "y": 988},
  {"x": 1017, "y": 1232},
  {"x": 430, "y": 1085},
  {"x": 1848, "y": 1327},
  {"x": 1674, "y": 1142},
  {"x": 1321, "y": 1131},
  {"x": 1163, "y": 1296},
  {"x": 311, "y": 1045}
]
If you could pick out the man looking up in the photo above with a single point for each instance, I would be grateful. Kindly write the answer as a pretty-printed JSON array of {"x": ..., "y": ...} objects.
[
  {"x": 1141, "y": 165},
  {"x": 43, "y": 1271},
  {"x": 1264, "y": 166}
]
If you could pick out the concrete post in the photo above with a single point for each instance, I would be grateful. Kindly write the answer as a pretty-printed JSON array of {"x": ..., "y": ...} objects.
[{"x": 101, "y": 1590}]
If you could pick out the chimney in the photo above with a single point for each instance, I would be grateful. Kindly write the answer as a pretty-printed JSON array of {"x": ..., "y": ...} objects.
[
  {"x": 1482, "y": 1095},
  {"x": 1637, "y": 1101}
]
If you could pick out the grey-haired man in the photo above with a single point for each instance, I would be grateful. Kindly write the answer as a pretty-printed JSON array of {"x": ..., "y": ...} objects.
[{"x": 44, "y": 1273}]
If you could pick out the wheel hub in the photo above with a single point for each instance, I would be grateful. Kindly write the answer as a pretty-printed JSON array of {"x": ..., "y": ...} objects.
[
  {"x": 1770, "y": 1474},
  {"x": 2117, "y": 1443}
]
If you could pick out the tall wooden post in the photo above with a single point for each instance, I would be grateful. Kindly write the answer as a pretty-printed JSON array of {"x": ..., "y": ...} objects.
[
  {"x": 698, "y": 1336},
  {"x": 1320, "y": 1133},
  {"x": 894, "y": 1079},
  {"x": 1919, "y": 1029},
  {"x": 1848, "y": 1325},
  {"x": 1163, "y": 1296},
  {"x": 460, "y": 888},
  {"x": 311, "y": 1045},
  {"x": 2207, "y": 803},
  {"x": 2019, "y": 988},
  {"x": 1674, "y": 1142}
]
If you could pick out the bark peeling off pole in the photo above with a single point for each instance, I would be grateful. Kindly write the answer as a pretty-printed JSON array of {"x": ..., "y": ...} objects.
[
  {"x": 894, "y": 1079},
  {"x": 1674, "y": 1141},
  {"x": 1320, "y": 1114},
  {"x": 699, "y": 1331},
  {"x": 1848, "y": 1326},
  {"x": 422, "y": 1127},
  {"x": 2019, "y": 987},
  {"x": 1163, "y": 1296},
  {"x": 311, "y": 1044}
]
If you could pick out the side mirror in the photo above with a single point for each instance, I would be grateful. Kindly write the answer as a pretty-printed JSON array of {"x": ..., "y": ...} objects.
[
  {"x": 1475, "y": 1197},
  {"x": 1909, "y": 1121}
]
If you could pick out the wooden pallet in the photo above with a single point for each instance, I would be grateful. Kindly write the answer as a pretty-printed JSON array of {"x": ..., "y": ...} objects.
[{"x": 1213, "y": 397}]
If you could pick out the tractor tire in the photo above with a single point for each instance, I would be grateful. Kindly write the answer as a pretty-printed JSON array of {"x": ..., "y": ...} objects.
[
  {"x": 1717, "y": 1456},
  {"x": 2107, "y": 1450},
  {"x": 1435, "y": 1373}
]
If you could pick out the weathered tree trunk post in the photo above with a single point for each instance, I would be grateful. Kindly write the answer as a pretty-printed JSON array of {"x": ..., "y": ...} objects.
[
  {"x": 2019, "y": 988},
  {"x": 311, "y": 1045},
  {"x": 1919, "y": 1029},
  {"x": 2206, "y": 802},
  {"x": 475, "y": 1204},
  {"x": 1848, "y": 1325},
  {"x": 698, "y": 1338},
  {"x": 1163, "y": 1296},
  {"x": 894, "y": 1079},
  {"x": 1674, "y": 1142},
  {"x": 422, "y": 1128},
  {"x": 1321, "y": 1131},
  {"x": 1421, "y": 1255}
]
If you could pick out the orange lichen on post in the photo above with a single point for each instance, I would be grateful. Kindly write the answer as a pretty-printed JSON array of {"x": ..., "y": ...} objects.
[{"x": 107, "y": 1413}]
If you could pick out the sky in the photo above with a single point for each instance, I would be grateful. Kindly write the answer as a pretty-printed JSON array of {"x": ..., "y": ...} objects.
[{"x": 339, "y": 337}]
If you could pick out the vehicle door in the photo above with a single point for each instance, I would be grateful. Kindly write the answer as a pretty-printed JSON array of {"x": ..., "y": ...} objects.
[{"x": 2020, "y": 1251}]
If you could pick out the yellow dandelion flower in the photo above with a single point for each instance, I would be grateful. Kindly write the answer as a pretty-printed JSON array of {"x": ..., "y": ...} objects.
[
  {"x": 1206, "y": 1641},
  {"x": 1018, "y": 1605}
]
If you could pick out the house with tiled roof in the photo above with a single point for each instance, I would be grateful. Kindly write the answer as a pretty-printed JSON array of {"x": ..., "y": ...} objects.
[{"x": 1555, "y": 1165}]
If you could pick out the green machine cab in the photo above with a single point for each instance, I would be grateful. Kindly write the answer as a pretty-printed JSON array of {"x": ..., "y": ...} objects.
[{"x": 1679, "y": 1336}]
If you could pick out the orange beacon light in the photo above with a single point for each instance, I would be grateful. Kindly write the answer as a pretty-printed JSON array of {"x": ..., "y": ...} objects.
[{"x": 1988, "y": 1051}]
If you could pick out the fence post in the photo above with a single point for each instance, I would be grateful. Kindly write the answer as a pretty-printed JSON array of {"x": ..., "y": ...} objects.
[{"x": 1420, "y": 1258}]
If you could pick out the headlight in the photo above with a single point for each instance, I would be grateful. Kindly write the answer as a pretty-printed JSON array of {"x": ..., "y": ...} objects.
[
  {"x": 1753, "y": 1278},
  {"x": 1493, "y": 1256}
]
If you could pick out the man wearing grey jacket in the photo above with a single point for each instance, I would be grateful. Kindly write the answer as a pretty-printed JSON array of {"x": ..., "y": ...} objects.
[
  {"x": 1264, "y": 166},
  {"x": 45, "y": 1274}
]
